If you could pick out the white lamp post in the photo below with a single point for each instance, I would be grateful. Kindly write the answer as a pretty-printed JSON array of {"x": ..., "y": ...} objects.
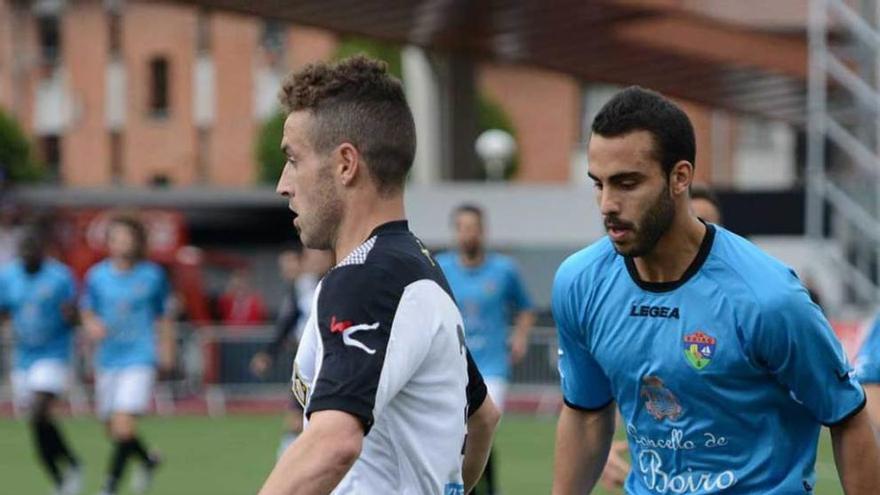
[{"x": 496, "y": 148}]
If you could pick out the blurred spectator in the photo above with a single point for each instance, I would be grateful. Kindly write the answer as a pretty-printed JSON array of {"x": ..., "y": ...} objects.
[
  {"x": 10, "y": 233},
  {"x": 240, "y": 304},
  {"x": 705, "y": 204}
]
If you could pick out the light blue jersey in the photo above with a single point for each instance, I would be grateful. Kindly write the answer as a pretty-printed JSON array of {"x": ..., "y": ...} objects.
[
  {"x": 868, "y": 359},
  {"x": 723, "y": 378},
  {"x": 487, "y": 295},
  {"x": 128, "y": 303},
  {"x": 35, "y": 303}
]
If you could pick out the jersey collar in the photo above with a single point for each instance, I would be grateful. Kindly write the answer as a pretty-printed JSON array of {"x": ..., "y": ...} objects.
[
  {"x": 692, "y": 269},
  {"x": 393, "y": 227}
]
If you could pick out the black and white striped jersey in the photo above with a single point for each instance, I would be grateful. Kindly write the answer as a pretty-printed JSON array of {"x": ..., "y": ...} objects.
[{"x": 385, "y": 343}]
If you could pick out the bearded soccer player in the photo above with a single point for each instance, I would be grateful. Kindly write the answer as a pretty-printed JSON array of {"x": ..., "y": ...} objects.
[
  {"x": 723, "y": 369},
  {"x": 39, "y": 295},
  {"x": 382, "y": 370},
  {"x": 490, "y": 294}
]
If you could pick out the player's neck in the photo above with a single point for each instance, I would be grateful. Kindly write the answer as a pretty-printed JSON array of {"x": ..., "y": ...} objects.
[
  {"x": 122, "y": 264},
  {"x": 362, "y": 217},
  {"x": 674, "y": 252},
  {"x": 472, "y": 259}
]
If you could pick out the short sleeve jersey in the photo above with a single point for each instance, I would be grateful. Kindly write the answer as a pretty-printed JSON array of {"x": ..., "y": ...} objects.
[
  {"x": 488, "y": 296},
  {"x": 36, "y": 303},
  {"x": 128, "y": 303},
  {"x": 868, "y": 358},
  {"x": 384, "y": 343},
  {"x": 723, "y": 378}
]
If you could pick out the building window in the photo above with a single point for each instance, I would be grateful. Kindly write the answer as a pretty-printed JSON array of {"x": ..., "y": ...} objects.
[
  {"x": 203, "y": 32},
  {"x": 272, "y": 40},
  {"x": 49, "y": 35},
  {"x": 159, "y": 101},
  {"x": 114, "y": 34},
  {"x": 50, "y": 148},
  {"x": 116, "y": 167}
]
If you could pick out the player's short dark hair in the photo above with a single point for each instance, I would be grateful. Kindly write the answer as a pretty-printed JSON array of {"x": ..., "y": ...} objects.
[
  {"x": 700, "y": 191},
  {"x": 639, "y": 109},
  {"x": 137, "y": 229},
  {"x": 467, "y": 208},
  {"x": 356, "y": 101}
]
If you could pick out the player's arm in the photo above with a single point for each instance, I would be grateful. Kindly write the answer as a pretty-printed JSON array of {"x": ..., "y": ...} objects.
[
  {"x": 288, "y": 317},
  {"x": 525, "y": 317},
  {"x": 482, "y": 420},
  {"x": 856, "y": 455},
  {"x": 586, "y": 423},
  {"x": 797, "y": 345},
  {"x": 167, "y": 343},
  {"x": 583, "y": 438},
  {"x": 91, "y": 322},
  {"x": 319, "y": 458},
  {"x": 872, "y": 392},
  {"x": 522, "y": 327}
]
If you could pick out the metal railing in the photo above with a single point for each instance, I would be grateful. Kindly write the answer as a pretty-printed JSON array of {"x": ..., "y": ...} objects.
[
  {"x": 213, "y": 370},
  {"x": 843, "y": 111}
]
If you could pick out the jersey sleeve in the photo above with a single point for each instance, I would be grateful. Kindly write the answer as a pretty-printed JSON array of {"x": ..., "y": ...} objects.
[
  {"x": 89, "y": 300},
  {"x": 868, "y": 358},
  {"x": 476, "y": 387},
  {"x": 584, "y": 385},
  {"x": 161, "y": 295},
  {"x": 355, "y": 314},
  {"x": 797, "y": 346},
  {"x": 516, "y": 290}
]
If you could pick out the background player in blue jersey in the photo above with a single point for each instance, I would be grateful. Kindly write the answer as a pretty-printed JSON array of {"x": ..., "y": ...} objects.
[
  {"x": 868, "y": 371},
  {"x": 722, "y": 367},
  {"x": 490, "y": 293},
  {"x": 124, "y": 305},
  {"x": 39, "y": 295}
]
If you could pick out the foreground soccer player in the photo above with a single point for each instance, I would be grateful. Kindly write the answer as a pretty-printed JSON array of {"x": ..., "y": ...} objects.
[
  {"x": 490, "y": 293},
  {"x": 123, "y": 308},
  {"x": 723, "y": 369},
  {"x": 39, "y": 294},
  {"x": 382, "y": 369}
]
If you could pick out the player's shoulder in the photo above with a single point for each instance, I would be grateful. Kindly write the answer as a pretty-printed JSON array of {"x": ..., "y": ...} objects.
[
  {"x": 150, "y": 268},
  {"x": 99, "y": 269},
  {"x": 9, "y": 268},
  {"x": 586, "y": 264},
  {"x": 446, "y": 259},
  {"x": 738, "y": 264},
  {"x": 501, "y": 262},
  {"x": 58, "y": 269}
]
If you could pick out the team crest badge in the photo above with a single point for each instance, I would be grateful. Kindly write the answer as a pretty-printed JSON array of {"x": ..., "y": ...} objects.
[
  {"x": 659, "y": 401},
  {"x": 699, "y": 349}
]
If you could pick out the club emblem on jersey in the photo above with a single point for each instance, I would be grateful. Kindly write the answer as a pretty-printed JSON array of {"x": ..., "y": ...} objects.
[
  {"x": 659, "y": 400},
  {"x": 699, "y": 349},
  {"x": 346, "y": 328}
]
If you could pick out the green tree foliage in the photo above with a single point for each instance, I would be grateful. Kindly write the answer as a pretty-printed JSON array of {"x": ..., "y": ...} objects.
[
  {"x": 268, "y": 149},
  {"x": 18, "y": 162}
]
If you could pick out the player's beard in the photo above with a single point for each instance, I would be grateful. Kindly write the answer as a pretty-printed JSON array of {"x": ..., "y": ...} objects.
[
  {"x": 319, "y": 230},
  {"x": 655, "y": 222}
]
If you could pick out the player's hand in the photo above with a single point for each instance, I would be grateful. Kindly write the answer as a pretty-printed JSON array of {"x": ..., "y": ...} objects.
[
  {"x": 95, "y": 330},
  {"x": 166, "y": 365},
  {"x": 518, "y": 347},
  {"x": 616, "y": 469},
  {"x": 260, "y": 363}
]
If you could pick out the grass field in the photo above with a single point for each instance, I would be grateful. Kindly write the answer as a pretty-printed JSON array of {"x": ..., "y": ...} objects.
[{"x": 232, "y": 455}]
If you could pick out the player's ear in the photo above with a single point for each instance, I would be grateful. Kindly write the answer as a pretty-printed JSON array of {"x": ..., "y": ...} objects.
[
  {"x": 348, "y": 163},
  {"x": 680, "y": 177}
]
